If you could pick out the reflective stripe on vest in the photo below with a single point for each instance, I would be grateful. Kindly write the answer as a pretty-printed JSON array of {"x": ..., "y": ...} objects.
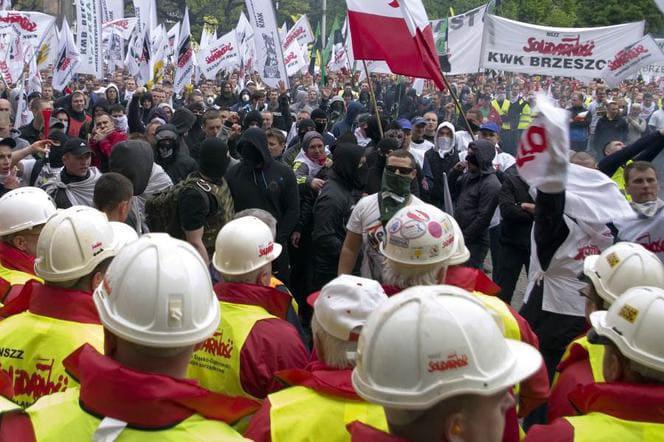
[
  {"x": 300, "y": 413},
  {"x": 32, "y": 348},
  {"x": 600, "y": 426},
  {"x": 275, "y": 283},
  {"x": 502, "y": 111},
  {"x": 7, "y": 405},
  {"x": 216, "y": 362},
  {"x": 595, "y": 357},
  {"x": 59, "y": 416},
  {"x": 12, "y": 278},
  {"x": 510, "y": 325},
  {"x": 619, "y": 178},
  {"x": 526, "y": 117}
]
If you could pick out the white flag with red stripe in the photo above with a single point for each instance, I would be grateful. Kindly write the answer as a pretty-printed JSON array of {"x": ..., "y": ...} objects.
[{"x": 398, "y": 32}]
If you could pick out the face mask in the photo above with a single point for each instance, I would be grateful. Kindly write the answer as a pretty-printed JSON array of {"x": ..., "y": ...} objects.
[
  {"x": 320, "y": 127},
  {"x": 165, "y": 149},
  {"x": 66, "y": 124},
  {"x": 397, "y": 184},
  {"x": 472, "y": 159},
  {"x": 647, "y": 209},
  {"x": 121, "y": 123},
  {"x": 55, "y": 157},
  {"x": 245, "y": 98},
  {"x": 444, "y": 145}
]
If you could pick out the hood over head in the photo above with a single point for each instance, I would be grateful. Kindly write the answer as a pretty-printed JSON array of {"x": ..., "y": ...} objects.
[
  {"x": 183, "y": 120},
  {"x": 346, "y": 162},
  {"x": 133, "y": 159},
  {"x": 450, "y": 126},
  {"x": 354, "y": 109},
  {"x": 117, "y": 91},
  {"x": 252, "y": 145},
  {"x": 485, "y": 151},
  {"x": 214, "y": 158},
  {"x": 252, "y": 117}
]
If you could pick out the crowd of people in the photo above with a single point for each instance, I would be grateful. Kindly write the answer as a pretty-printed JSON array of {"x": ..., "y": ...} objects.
[{"x": 306, "y": 263}]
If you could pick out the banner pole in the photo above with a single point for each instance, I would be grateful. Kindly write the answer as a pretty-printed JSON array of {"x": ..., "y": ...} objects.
[
  {"x": 458, "y": 104},
  {"x": 373, "y": 98}
]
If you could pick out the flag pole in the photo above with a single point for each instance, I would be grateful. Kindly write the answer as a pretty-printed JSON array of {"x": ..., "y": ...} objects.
[
  {"x": 373, "y": 98},
  {"x": 457, "y": 103}
]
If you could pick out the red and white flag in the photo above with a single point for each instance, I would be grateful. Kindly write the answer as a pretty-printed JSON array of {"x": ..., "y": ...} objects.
[{"x": 398, "y": 32}]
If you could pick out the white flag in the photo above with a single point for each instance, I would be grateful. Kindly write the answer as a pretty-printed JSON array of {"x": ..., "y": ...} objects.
[
  {"x": 67, "y": 60},
  {"x": 139, "y": 58},
  {"x": 173, "y": 36},
  {"x": 48, "y": 51},
  {"x": 301, "y": 31},
  {"x": 13, "y": 63},
  {"x": 34, "y": 77},
  {"x": 269, "y": 56},
  {"x": 32, "y": 27},
  {"x": 122, "y": 27},
  {"x": 631, "y": 59},
  {"x": 206, "y": 37},
  {"x": 5, "y": 5},
  {"x": 88, "y": 36},
  {"x": 23, "y": 114},
  {"x": 245, "y": 39},
  {"x": 660, "y": 5},
  {"x": 222, "y": 53},
  {"x": 294, "y": 59},
  {"x": 184, "y": 63}
]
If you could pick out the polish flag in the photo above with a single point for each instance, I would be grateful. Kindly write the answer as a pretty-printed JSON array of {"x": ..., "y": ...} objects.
[{"x": 398, "y": 32}]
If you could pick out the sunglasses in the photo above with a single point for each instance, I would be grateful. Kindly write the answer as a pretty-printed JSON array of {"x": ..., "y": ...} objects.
[{"x": 401, "y": 170}]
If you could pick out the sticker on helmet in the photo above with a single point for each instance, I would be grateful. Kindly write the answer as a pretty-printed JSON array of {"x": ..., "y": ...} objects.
[
  {"x": 399, "y": 242},
  {"x": 417, "y": 253},
  {"x": 418, "y": 215},
  {"x": 612, "y": 259},
  {"x": 628, "y": 313},
  {"x": 413, "y": 229},
  {"x": 265, "y": 249},
  {"x": 97, "y": 248},
  {"x": 394, "y": 226},
  {"x": 435, "y": 229}
]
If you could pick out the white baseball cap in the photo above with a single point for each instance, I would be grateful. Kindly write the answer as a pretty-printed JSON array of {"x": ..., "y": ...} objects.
[{"x": 344, "y": 304}]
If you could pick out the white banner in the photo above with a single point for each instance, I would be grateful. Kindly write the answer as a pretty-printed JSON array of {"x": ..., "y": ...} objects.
[
  {"x": 32, "y": 27},
  {"x": 464, "y": 41},
  {"x": 269, "y": 56},
  {"x": 509, "y": 45},
  {"x": 111, "y": 10},
  {"x": 34, "y": 76},
  {"x": 88, "y": 36},
  {"x": 13, "y": 58},
  {"x": 184, "y": 63},
  {"x": 122, "y": 27},
  {"x": 656, "y": 69},
  {"x": 146, "y": 12},
  {"x": 48, "y": 51},
  {"x": 630, "y": 59},
  {"x": 222, "y": 53},
  {"x": 301, "y": 31},
  {"x": 294, "y": 59}
]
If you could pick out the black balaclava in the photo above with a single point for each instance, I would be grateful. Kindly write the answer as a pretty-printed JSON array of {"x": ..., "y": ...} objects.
[{"x": 346, "y": 165}]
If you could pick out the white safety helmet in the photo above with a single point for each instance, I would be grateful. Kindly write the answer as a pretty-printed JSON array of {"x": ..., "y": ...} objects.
[
  {"x": 622, "y": 266},
  {"x": 157, "y": 293},
  {"x": 73, "y": 242},
  {"x": 244, "y": 245},
  {"x": 634, "y": 323},
  {"x": 430, "y": 343},
  {"x": 23, "y": 209},
  {"x": 461, "y": 253},
  {"x": 420, "y": 235}
]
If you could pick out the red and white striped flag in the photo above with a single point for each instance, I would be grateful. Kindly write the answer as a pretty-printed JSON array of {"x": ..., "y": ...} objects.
[{"x": 398, "y": 32}]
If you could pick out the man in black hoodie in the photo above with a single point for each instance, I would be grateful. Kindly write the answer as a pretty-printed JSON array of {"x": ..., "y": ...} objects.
[
  {"x": 333, "y": 208},
  {"x": 476, "y": 196},
  {"x": 167, "y": 153},
  {"x": 260, "y": 182}
]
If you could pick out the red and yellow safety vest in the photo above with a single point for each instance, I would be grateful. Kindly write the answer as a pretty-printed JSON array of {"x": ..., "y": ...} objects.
[
  {"x": 602, "y": 427},
  {"x": 34, "y": 343},
  {"x": 216, "y": 362},
  {"x": 595, "y": 357},
  {"x": 12, "y": 280},
  {"x": 301, "y": 413},
  {"x": 59, "y": 416}
]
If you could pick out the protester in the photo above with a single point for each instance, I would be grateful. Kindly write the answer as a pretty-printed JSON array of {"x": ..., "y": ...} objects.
[
  {"x": 320, "y": 400},
  {"x": 113, "y": 384},
  {"x": 434, "y": 399},
  {"x": 253, "y": 338},
  {"x": 73, "y": 251}
]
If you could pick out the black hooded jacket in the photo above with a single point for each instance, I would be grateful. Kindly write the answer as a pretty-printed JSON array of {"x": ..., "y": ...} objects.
[
  {"x": 179, "y": 165},
  {"x": 334, "y": 205},
  {"x": 476, "y": 194},
  {"x": 260, "y": 182}
]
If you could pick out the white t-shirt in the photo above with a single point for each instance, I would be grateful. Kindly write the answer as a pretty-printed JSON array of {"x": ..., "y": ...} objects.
[
  {"x": 419, "y": 149},
  {"x": 365, "y": 221},
  {"x": 657, "y": 119}
]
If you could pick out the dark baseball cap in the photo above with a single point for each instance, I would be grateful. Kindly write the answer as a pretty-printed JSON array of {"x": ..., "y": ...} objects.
[
  {"x": 418, "y": 120},
  {"x": 76, "y": 146},
  {"x": 9, "y": 141}
]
